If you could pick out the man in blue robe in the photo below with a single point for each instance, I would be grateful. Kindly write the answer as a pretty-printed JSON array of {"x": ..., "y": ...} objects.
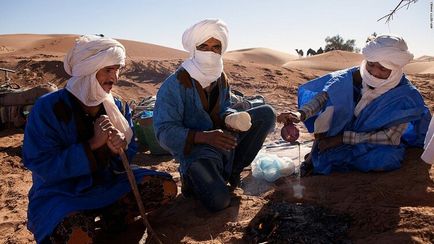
[
  {"x": 363, "y": 118},
  {"x": 193, "y": 121},
  {"x": 71, "y": 145}
]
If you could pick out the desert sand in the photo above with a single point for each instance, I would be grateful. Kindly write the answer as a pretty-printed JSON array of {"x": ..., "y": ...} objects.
[
  {"x": 382, "y": 207},
  {"x": 260, "y": 55}
]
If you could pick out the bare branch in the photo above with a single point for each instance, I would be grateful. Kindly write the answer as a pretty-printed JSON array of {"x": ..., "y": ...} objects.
[{"x": 401, "y": 4}]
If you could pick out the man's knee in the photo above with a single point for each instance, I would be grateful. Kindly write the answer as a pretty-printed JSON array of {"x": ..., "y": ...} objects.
[
  {"x": 390, "y": 161},
  {"x": 204, "y": 179},
  {"x": 266, "y": 114},
  {"x": 213, "y": 194},
  {"x": 383, "y": 160}
]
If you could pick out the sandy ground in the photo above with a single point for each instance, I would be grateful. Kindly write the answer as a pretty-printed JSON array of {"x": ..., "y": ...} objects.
[{"x": 392, "y": 207}]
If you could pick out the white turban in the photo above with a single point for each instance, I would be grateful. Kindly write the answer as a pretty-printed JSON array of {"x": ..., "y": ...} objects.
[
  {"x": 389, "y": 50},
  {"x": 205, "y": 66},
  {"x": 204, "y": 30},
  {"x": 392, "y": 53},
  {"x": 82, "y": 62}
]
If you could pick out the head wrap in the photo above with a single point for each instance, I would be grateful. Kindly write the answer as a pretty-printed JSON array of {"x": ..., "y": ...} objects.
[
  {"x": 389, "y": 50},
  {"x": 204, "y": 30},
  {"x": 82, "y": 62},
  {"x": 205, "y": 67},
  {"x": 392, "y": 53}
]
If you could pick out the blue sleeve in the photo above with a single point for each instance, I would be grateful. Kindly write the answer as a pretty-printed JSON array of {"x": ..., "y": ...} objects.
[
  {"x": 169, "y": 115},
  {"x": 226, "y": 106},
  {"x": 307, "y": 92},
  {"x": 46, "y": 151},
  {"x": 339, "y": 88}
]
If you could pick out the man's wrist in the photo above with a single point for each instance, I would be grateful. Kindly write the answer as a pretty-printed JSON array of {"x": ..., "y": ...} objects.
[
  {"x": 302, "y": 115},
  {"x": 92, "y": 144},
  {"x": 199, "y": 137}
]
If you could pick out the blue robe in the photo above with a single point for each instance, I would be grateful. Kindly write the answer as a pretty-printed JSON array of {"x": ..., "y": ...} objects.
[
  {"x": 181, "y": 109},
  {"x": 402, "y": 104},
  {"x": 63, "y": 181}
]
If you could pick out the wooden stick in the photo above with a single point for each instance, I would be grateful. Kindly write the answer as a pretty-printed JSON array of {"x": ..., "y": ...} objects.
[{"x": 135, "y": 190}]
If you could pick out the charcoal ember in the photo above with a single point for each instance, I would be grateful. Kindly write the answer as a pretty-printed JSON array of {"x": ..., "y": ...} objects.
[{"x": 282, "y": 222}]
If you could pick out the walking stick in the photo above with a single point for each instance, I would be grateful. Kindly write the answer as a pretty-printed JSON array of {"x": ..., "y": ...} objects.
[{"x": 135, "y": 190}]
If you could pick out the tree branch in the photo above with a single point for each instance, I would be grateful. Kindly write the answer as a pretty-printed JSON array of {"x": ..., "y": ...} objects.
[{"x": 401, "y": 4}]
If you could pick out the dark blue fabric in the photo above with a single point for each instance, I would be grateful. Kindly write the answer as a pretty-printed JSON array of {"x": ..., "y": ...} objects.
[
  {"x": 62, "y": 179},
  {"x": 402, "y": 104},
  {"x": 205, "y": 179},
  {"x": 208, "y": 176}
]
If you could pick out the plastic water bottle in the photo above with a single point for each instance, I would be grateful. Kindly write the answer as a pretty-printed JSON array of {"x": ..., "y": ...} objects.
[{"x": 271, "y": 167}]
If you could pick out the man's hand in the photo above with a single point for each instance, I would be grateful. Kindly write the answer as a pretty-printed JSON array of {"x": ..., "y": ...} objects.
[
  {"x": 289, "y": 117},
  {"x": 101, "y": 129},
  {"x": 116, "y": 141},
  {"x": 329, "y": 142},
  {"x": 216, "y": 138}
]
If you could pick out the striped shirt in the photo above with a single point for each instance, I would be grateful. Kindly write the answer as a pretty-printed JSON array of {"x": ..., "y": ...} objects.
[{"x": 388, "y": 136}]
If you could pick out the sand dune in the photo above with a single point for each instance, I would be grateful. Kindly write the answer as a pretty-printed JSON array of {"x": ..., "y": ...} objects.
[
  {"x": 28, "y": 44},
  {"x": 260, "y": 55},
  {"x": 330, "y": 61},
  {"x": 420, "y": 67},
  {"x": 150, "y": 51},
  {"x": 58, "y": 45},
  {"x": 425, "y": 58},
  {"x": 336, "y": 60}
]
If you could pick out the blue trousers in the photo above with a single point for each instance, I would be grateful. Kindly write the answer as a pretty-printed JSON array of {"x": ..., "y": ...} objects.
[{"x": 206, "y": 178}]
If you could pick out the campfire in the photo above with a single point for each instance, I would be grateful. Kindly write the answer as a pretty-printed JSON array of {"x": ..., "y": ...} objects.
[{"x": 284, "y": 222}]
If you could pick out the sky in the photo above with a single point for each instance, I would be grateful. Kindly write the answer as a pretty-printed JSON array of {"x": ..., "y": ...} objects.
[{"x": 282, "y": 25}]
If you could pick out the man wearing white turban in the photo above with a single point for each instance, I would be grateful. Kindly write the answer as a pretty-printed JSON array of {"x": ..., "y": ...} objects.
[
  {"x": 364, "y": 117},
  {"x": 194, "y": 122},
  {"x": 71, "y": 144}
]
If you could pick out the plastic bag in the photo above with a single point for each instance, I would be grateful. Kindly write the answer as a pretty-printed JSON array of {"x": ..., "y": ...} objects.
[{"x": 271, "y": 167}]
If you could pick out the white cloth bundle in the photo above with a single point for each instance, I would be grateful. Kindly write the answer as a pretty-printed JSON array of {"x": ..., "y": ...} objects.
[
  {"x": 83, "y": 61},
  {"x": 240, "y": 121}
]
